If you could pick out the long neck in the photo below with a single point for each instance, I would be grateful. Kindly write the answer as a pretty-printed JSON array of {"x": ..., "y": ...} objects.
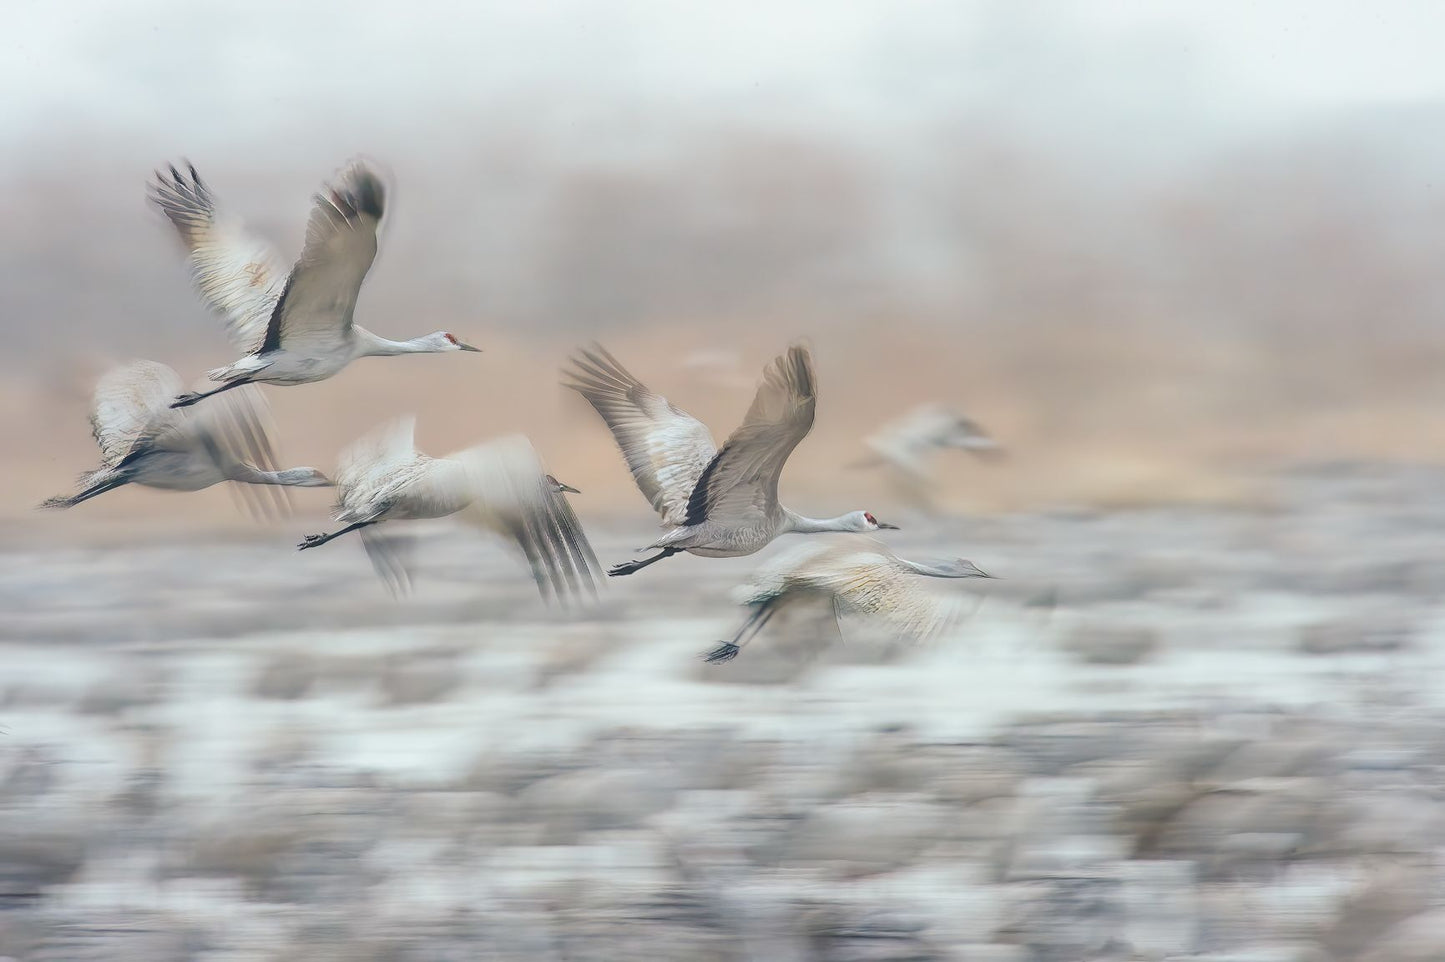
[
  {"x": 373, "y": 345},
  {"x": 241, "y": 471},
  {"x": 802, "y": 525},
  {"x": 932, "y": 571}
]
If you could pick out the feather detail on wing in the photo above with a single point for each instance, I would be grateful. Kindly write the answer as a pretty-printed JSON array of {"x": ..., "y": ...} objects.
[
  {"x": 373, "y": 463},
  {"x": 132, "y": 409},
  {"x": 315, "y": 309},
  {"x": 511, "y": 496},
  {"x": 741, "y": 482},
  {"x": 238, "y": 275},
  {"x": 666, "y": 448},
  {"x": 862, "y": 578}
]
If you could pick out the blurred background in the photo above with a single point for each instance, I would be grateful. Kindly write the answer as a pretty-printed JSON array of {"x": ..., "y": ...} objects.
[{"x": 1181, "y": 260}]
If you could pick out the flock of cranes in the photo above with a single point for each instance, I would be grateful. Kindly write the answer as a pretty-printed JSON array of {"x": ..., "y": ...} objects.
[{"x": 296, "y": 326}]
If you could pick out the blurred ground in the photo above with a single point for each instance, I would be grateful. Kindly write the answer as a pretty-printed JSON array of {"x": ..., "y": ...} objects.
[
  {"x": 1167, "y": 254},
  {"x": 1173, "y": 732}
]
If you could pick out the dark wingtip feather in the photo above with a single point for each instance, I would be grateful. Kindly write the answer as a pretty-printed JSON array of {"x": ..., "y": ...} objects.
[
  {"x": 725, "y": 651},
  {"x": 801, "y": 362},
  {"x": 367, "y": 194}
]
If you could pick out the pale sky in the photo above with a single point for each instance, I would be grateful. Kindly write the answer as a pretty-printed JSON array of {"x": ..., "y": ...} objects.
[{"x": 199, "y": 71}]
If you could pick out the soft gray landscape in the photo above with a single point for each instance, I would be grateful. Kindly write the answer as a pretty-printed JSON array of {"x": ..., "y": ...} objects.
[
  {"x": 1164, "y": 734},
  {"x": 1182, "y": 260}
]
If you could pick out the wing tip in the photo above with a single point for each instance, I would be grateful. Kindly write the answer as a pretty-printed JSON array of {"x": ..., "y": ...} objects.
[{"x": 363, "y": 188}]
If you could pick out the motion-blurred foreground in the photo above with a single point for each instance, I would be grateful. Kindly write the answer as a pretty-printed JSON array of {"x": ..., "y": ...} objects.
[
  {"x": 1178, "y": 733},
  {"x": 1165, "y": 254}
]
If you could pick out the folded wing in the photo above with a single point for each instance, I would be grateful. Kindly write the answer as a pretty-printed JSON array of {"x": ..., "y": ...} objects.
[
  {"x": 131, "y": 409},
  {"x": 370, "y": 465}
]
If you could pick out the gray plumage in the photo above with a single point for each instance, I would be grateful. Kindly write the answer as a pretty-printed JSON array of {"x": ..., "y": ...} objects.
[
  {"x": 909, "y": 445},
  {"x": 296, "y": 326},
  {"x": 855, "y": 576},
  {"x": 499, "y": 485},
  {"x": 144, "y": 441},
  {"x": 714, "y": 502}
]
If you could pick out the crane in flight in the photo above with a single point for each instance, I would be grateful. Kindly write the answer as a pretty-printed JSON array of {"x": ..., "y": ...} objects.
[
  {"x": 908, "y": 446},
  {"x": 294, "y": 325},
  {"x": 857, "y": 576},
  {"x": 144, "y": 441},
  {"x": 499, "y": 486},
  {"x": 715, "y": 502}
]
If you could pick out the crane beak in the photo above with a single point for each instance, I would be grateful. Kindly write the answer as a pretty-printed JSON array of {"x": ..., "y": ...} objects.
[
  {"x": 884, "y": 525},
  {"x": 467, "y": 347},
  {"x": 567, "y": 487}
]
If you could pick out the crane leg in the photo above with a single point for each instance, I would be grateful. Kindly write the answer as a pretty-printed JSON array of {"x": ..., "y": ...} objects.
[
  {"x": 629, "y": 567},
  {"x": 728, "y": 650},
  {"x": 317, "y": 540},
  {"x": 191, "y": 397}
]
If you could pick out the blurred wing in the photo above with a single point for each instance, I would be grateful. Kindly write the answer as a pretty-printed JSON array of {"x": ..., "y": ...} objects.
[
  {"x": 511, "y": 496},
  {"x": 132, "y": 409},
  {"x": 785, "y": 570},
  {"x": 315, "y": 308},
  {"x": 391, "y": 555},
  {"x": 237, "y": 426},
  {"x": 237, "y": 274},
  {"x": 741, "y": 482},
  {"x": 666, "y": 449},
  {"x": 870, "y": 582}
]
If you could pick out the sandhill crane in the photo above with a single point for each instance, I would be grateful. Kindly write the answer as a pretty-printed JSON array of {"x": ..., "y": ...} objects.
[
  {"x": 297, "y": 326},
  {"x": 717, "y": 503},
  {"x": 499, "y": 485},
  {"x": 909, "y": 444},
  {"x": 143, "y": 441},
  {"x": 859, "y": 575}
]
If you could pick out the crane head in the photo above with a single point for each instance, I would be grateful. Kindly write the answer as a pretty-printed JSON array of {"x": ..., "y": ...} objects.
[
  {"x": 871, "y": 523},
  {"x": 443, "y": 341}
]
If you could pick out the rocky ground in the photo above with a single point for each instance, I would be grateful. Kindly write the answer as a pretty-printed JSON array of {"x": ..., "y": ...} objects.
[{"x": 1167, "y": 734}]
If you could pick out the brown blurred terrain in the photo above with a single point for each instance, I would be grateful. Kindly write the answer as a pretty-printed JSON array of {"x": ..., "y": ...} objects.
[
  {"x": 1134, "y": 331},
  {"x": 1169, "y": 347}
]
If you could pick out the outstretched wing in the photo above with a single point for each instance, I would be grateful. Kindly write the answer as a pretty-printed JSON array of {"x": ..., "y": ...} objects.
[
  {"x": 741, "y": 483},
  {"x": 238, "y": 275},
  {"x": 510, "y": 495},
  {"x": 132, "y": 409},
  {"x": 866, "y": 579},
  {"x": 666, "y": 449},
  {"x": 315, "y": 308}
]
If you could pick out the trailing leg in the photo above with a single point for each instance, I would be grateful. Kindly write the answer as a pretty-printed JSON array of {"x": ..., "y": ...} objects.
[
  {"x": 191, "y": 397},
  {"x": 317, "y": 540},
  {"x": 728, "y": 650},
  {"x": 629, "y": 567}
]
